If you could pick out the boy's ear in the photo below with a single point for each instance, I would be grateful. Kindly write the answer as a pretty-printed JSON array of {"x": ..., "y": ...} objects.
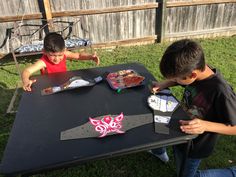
[{"x": 193, "y": 75}]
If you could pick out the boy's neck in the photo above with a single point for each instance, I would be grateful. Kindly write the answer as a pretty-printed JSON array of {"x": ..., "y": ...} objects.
[{"x": 204, "y": 74}]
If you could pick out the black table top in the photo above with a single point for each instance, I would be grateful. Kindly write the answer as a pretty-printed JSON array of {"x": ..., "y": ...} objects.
[{"x": 34, "y": 144}]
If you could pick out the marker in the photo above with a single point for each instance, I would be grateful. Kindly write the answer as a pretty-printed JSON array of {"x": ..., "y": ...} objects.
[{"x": 118, "y": 90}]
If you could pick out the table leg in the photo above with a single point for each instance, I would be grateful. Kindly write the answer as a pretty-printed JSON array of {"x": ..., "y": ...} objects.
[{"x": 183, "y": 163}]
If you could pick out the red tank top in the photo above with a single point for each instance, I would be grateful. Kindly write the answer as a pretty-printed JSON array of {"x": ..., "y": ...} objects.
[{"x": 51, "y": 67}]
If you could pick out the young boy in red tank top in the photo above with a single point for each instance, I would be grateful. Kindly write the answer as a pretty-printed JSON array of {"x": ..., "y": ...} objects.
[{"x": 53, "y": 59}]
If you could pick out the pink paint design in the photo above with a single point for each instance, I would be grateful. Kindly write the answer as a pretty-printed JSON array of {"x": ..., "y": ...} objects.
[{"x": 108, "y": 124}]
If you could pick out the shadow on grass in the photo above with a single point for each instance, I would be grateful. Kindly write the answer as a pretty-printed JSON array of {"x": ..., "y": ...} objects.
[{"x": 8, "y": 59}]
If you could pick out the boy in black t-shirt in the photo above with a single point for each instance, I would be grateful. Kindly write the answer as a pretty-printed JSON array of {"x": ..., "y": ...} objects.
[{"x": 208, "y": 98}]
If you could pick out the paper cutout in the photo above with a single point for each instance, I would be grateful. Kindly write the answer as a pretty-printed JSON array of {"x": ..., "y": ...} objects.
[
  {"x": 162, "y": 119},
  {"x": 78, "y": 83},
  {"x": 124, "y": 79},
  {"x": 72, "y": 83},
  {"x": 163, "y": 103},
  {"x": 108, "y": 124}
]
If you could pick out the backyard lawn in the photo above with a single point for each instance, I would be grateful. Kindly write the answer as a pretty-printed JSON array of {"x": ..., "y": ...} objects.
[{"x": 219, "y": 53}]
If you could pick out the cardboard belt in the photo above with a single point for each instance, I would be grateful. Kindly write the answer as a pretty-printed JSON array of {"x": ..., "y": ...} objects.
[{"x": 87, "y": 130}]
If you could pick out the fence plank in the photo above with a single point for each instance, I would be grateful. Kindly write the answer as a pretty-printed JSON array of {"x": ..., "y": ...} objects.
[
  {"x": 48, "y": 13},
  {"x": 106, "y": 10},
  {"x": 161, "y": 16},
  {"x": 81, "y": 12}
]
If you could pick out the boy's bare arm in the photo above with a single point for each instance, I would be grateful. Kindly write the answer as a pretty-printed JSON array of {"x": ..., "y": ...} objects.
[
  {"x": 27, "y": 72},
  {"x": 83, "y": 56},
  {"x": 157, "y": 86},
  {"x": 199, "y": 126}
]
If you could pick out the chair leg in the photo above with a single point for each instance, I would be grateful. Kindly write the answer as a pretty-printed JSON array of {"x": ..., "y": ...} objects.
[
  {"x": 11, "y": 105},
  {"x": 17, "y": 64},
  {"x": 13, "y": 99}
]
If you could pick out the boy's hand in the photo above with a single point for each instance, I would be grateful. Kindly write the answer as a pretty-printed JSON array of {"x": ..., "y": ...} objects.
[
  {"x": 27, "y": 85},
  {"x": 157, "y": 86},
  {"x": 95, "y": 58},
  {"x": 195, "y": 126}
]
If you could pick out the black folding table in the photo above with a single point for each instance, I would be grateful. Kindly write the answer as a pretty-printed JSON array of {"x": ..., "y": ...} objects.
[{"x": 34, "y": 144}]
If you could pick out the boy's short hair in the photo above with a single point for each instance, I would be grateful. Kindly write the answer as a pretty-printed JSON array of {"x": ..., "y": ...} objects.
[
  {"x": 53, "y": 42},
  {"x": 181, "y": 58}
]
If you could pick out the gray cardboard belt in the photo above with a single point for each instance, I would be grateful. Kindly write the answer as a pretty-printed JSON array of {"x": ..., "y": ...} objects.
[{"x": 87, "y": 130}]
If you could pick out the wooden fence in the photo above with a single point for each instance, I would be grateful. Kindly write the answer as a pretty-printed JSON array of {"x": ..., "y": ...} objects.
[{"x": 122, "y": 22}]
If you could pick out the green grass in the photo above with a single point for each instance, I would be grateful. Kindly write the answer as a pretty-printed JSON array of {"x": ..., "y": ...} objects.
[{"x": 220, "y": 53}]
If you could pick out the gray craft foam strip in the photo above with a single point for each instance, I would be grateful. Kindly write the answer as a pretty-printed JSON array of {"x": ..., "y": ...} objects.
[
  {"x": 87, "y": 130},
  {"x": 91, "y": 83}
]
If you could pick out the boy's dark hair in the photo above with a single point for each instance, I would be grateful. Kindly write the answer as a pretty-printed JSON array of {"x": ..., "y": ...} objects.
[
  {"x": 53, "y": 42},
  {"x": 181, "y": 58}
]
